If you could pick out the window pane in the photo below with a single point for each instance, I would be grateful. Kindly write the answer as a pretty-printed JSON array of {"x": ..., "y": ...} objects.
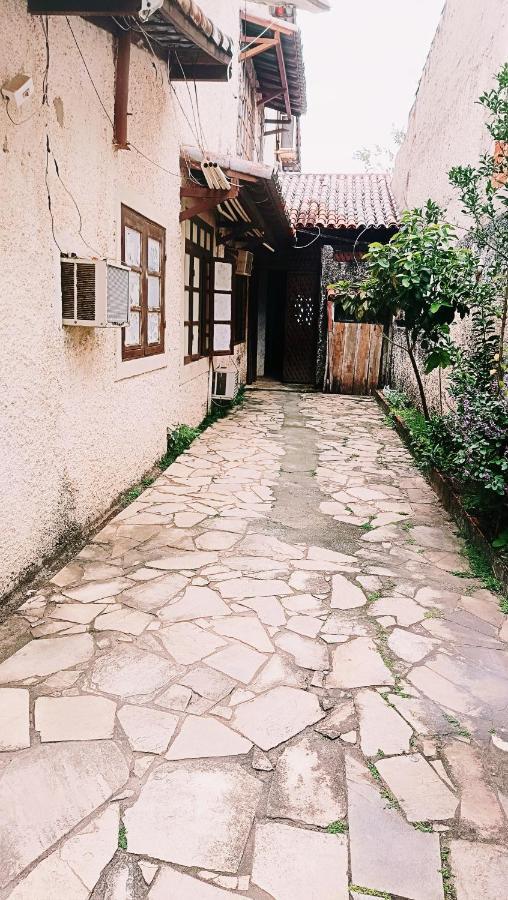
[
  {"x": 154, "y": 292},
  {"x": 222, "y": 307},
  {"x": 132, "y": 331},
  {"x": 154, "y": 255},
  {"x": 202, "y": 237},
  {"x": 187, "y": 315},
  {"x": 134, "y": 289},
  {"x": 194, "y": 233},
  {"x": 221, "y": 337},
  {"x": 153, "y": 328},
  {"x": 197, "y": 270},
  {"x": 195, "y": 340},
  {"x": 187, "y": 270},
  {"x": 223, "y": 273},
  {"x": 208, "y": 241},
  {"x": 186, "y": 340},
  {"x": 187, "y": 229},
  {"x": 132, "y": 247}
]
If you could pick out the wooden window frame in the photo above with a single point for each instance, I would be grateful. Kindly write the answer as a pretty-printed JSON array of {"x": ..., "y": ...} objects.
[
  {"x": 240, "y": 321},
  {"x": 203, "y": 318},
  {"x": 148, "y": 229}
]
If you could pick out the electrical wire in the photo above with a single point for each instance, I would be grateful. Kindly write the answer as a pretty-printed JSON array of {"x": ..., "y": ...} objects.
[
  {"x": 49, "y": 196},
  {"x": 304, "y": 246},
  {"x": 89, "y": 73},
  {"x": 22, "y": 122},
  {"x": 45, "y": 81},
  {"x": 67, "y": 191}
]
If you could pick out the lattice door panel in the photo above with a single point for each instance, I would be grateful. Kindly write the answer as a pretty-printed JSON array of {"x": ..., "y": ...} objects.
[{"x": 301, "y": 327}]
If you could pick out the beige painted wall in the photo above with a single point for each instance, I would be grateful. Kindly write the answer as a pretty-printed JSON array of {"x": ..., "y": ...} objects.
[
  {"x": 446, "y": 126},
  {"x": 78, "y": 425}
]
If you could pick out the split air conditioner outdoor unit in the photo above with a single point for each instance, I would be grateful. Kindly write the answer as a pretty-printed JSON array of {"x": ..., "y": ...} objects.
[
  {"x": 95, "y": 293},
  {"x": 244, "y": 261},
  {"x": 224, "y": 384}
]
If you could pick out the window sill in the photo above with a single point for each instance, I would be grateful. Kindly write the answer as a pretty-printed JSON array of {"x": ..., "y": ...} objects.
[{"x": 130, "y": 368}]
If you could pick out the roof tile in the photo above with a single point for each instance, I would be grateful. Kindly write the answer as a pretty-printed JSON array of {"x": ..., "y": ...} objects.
[{"x": 339, "y": 201}]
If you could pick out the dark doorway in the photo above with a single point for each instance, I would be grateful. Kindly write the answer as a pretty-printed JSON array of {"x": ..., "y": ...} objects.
[
  {"x": 274, "y": 335},
  {"x": 301, "y": 328}
]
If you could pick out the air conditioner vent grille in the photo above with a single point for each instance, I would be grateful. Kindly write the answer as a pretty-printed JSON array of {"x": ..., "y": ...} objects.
[
  {"x": 85, "y": 291},
  {"x": 118, "y": 295},
  {"x": 68, "y": 293}
]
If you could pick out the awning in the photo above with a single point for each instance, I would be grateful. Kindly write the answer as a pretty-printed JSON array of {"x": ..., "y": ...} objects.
[
  {"x": 254, "y": 214},
  {"x": 178, "y": 32},
  {"x": 275, "y": 47}
]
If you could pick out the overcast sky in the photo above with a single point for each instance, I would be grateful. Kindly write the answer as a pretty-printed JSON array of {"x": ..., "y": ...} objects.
[{"x": 363, "y": 61}]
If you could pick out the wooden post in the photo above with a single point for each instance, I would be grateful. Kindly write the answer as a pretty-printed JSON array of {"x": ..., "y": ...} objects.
[{"x": 122, "y": 89}]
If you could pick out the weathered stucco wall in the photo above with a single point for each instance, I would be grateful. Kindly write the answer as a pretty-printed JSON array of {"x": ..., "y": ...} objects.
[
  {"x": 78, "y": 425},
  {"x": 447, "y": 127}
]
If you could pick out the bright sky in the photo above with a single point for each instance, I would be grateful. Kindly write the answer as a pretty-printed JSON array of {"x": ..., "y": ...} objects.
[{"x": 363, "y": 61}]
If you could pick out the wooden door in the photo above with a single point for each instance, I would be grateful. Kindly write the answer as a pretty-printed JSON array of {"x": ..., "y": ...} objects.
[
  {"x": 301, "y": 328},
  {"x": 354, "y": 356}
]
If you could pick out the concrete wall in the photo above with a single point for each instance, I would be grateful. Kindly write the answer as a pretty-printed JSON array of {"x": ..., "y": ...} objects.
[
  {"x": 447, "y": 127},
  {"x": 78, "y": 425}
]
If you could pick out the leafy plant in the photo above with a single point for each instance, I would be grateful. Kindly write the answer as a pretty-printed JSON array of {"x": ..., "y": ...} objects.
[
  {"x": 122, "y": 837},
  {"x": 338, "y": 827}
]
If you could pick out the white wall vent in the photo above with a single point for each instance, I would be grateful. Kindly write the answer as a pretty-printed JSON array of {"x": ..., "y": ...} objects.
[
  {"x": 244, "y": 261},
  {"x": 224, "y": 384},
  {"x": 95, "y": 293}
]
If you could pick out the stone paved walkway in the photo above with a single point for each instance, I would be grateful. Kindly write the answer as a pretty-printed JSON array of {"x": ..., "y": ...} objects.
[{"x": 261, "y": 679}]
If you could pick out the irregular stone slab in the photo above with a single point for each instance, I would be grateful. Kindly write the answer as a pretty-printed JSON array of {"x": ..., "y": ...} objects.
[
  {"x": 171, "y": 883},
  {"x": 257, "y": 564},
  {"x": 98, "y": 590},
  {"x": 128, "y": 621},
  {"x": 176, "y": 697},
  {"x": 47, "y": 791},
  {"x": 277, "y": 671},
  {"x": 309, "y": 582},
  {"x": 163, "y": 823},
  {"x": 479, "y": 807},
  {"x": 149, "y": 597},
  {"x": 208, "y": 683},
  {"x": 237, "y": 661},
  {"x": 338, "y": 721},
  {"x": 423, "y": 715},
  {"x": 443, "y": 692},
  {"x": 381, "y": 728},
  {"x": 196, "y": 603},
  {"x": 51, "y": 878},
  {"x": 84, "y": 718},
  {"x": 187, "y": 643},
  {"x": 358, "y": 664},
  {"x": 247, "y": 629},
  {"x": 480, "y": 870},
  {"x": 436, "y": 538},
  {"x": 128, "y": 672},
  {"x": 274, "y": 717},
  {"x": 80, "y": 613},
  {"x": 297, "y": 864},
  {"x": 405, "y": 610},
  {"x": 308, "y": 784},
  {"x": 303, "y": 603},
  {"x": 45, "y": 656},
  {"x": 388, "y": 854},
  {"x": 263, "y": 545},
  {"x": 268, "y": 610},
  {"x": 307, "y": 653},
  {"x": 217, "y": 540},
  {"x": 148, "y": 730},
  {"x": 381, "y": 534},
  {"x": 307, "y": 626},
  {"x": 190, "y": 559},
  {"x": 409, "y": 646},
  {"x": 345, "y": 594},
  {"x": 14, "y": 719},
  {"x": 202, "y": 737},
  {"x": 90, "y": 850},
  {"x": 418, "y": 788},
  {"x": 240, "y": 588}
]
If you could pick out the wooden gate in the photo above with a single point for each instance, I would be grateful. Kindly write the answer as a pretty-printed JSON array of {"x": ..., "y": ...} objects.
[
  {"x": 354, "y": 357},
  {"x": 301, "y": 328}
]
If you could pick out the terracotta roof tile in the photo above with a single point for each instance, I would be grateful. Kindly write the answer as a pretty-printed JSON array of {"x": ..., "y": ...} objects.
[{"x": 338, "y": 201}]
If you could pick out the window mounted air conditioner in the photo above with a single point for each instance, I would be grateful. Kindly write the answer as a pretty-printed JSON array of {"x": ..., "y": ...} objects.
[
  {"x": 244, "y": 261},
  {"x": 95, "y": 293},
  {"x": 224, "y": 384}
]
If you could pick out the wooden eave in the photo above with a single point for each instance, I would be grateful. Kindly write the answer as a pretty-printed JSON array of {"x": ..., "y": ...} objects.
[{"x": 276, "y": 52}]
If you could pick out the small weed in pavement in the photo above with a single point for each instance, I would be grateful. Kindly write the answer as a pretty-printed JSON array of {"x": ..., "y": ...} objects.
[
  {"x": 370, "y": 892},
  {"x": 423, "y": 826},
  {"x": 433, "y": 613},
  {"x": 446, "y": 872},
  {"x": 459, "y": 729},
  {"x": 122, "y": 837},
  {"x": 338, "y": 827}
]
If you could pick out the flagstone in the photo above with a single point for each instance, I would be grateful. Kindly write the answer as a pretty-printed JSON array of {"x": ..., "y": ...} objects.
[
  {"x": 263, "y": 545},
  {"x": 409, "y": 646},
  {"x": 163, "y": 824},
  {"x": 191, "y": 559},
  {"x": 418, "y": 788},
  {"x": 297, "y": 864},
  {"x": 343, "y": 715},
  {"x": 150, "y": 596},
  {"x": 422, "y": 714},
  {"x": 205, "y": 737},
  {"x": 217, "y": 540},
  {"x": 437, "y": 538},
  {"x": 208, "y": 683},
  {"x": 14, "y": 719},
  {"x": 479, "y": 807},
  {"x": 148, "y": 730},
  {"x": 176, "y": 697},
  {"x": 358, "y": 664},
  {"x": 277, "y": 715},
  {"x": 129, "y": 672},
  {"x": 97, "y": 590},
  {"x": 308, "y": 785},
  {"x": 171, "y": 883},
  {"x": 129, "y": 621},
  {"x": 85, "y": 718},
  {"x": 307, "y": 653},
  {"x": 247, "y": 629},
  {"x": 240, "y": 588},
  {"x": 187, "y": 643},
  {"x": 277, "y": 671},
  {"x": 303, "y": 603},
  {"x": 46, "y": 655},
  {"x": 80, "y": 613},
  {"x": 196, "y": 603},
  {"x": 309, "y": 582},
  {"x": 381, "y": 728},
  {"x": 237, "y": 661},
  {"x": 387, "y": 853},
  {"x": 268, "y": 610},
  {"x": 405, "y": 610},
  {"x": 46, "y": 791},
  {"x": 345, "y": 594},
  {"x": 305, "y": 625},
  {"x": 479, "y": 870}
]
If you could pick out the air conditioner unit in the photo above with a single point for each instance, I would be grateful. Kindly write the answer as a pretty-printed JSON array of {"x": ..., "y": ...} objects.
[
  {"x": 224, "y": 384},
  {"x": 244, "y": 261},
  {"x": 95, "y": 293}
]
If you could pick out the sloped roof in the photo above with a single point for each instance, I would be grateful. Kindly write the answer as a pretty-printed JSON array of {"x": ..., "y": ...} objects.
[
  {"x": 339, "y": 201},
  {"x": 279, "y": 69}
]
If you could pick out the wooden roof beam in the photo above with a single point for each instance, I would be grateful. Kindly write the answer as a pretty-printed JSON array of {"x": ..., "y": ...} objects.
[
  {"x": 267, "y": 23},
  {"x": 283, "y": 76},
  {"x": 257, "y": 46}
]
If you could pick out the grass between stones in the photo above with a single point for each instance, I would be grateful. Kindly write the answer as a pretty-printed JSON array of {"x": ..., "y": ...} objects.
[
  {"x": 338, "y": 827},
  {"x": 447, "y": 874},
  {"x": 122, "y": 837},
  {"x": 369, "y": 892},
  {"x": 459, "y": 729}
]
